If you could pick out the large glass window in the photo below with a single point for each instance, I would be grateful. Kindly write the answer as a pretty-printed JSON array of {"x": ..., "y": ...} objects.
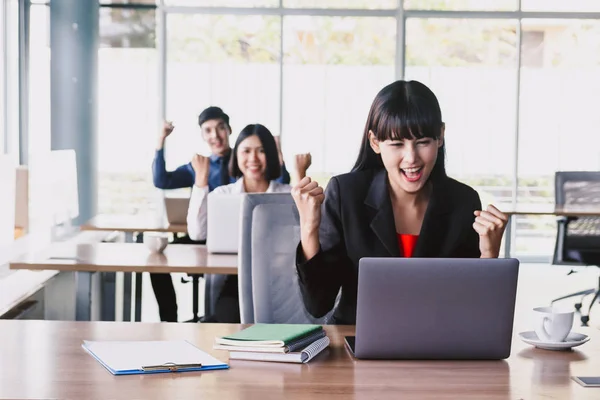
[
  {"x": 560, "y": 5},
  {"x": 39, "y": 132},
  {"x": 39, "y": 80},
  {"x": 3, "y": 40},
  {"x": 10, "y": 79},
  {"x": 558, "y": 116},
  {"x": 362, "y": 4},
  {"x": 223, "y": 3},
  {"x": 311, "y": 75},
  {"x": 133, "y": 2},
  {"x": 471, "y": 65},
  {"x": 462, "y": 5},
  {"x": 325, "y": 57},
  {"x": 128, "y": 110},
  {"x": 558, "y": 99},
  {"x": 228, "y": 61}
]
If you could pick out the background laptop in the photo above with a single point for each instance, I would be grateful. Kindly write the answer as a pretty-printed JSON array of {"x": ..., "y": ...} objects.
[
  {"x": 176, "y": 209},
  {"x": 435, "y": 308},
  {"x": 223, "y": 222}
]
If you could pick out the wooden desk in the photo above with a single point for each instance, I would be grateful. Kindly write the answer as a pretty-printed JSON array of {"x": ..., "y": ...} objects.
[
  {"x": 44, "y": 359},
  {"x": 550, "y": 209},
  {"x": 541, "y": 209},
  {"x": 85, "y": 259},
  {"x": 130, "y": 224},
  {"x": 127, "y": 257}
]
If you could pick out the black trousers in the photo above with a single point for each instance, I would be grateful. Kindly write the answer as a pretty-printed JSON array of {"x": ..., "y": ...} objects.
[
  {"x": 164, "y": 291},
  {"x": 227, "y": 308},
  {"x": 162, "y": 284}
]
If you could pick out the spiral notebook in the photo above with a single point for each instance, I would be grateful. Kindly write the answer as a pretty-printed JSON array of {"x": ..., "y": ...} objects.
[
  {"x": 268, "y": 335},
  {"x": 293, "y": 346},
  {"x": 300, "y": 357}
]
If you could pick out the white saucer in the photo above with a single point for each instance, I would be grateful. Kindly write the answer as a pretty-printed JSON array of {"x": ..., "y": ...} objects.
[{"x": 573, "y": 340}]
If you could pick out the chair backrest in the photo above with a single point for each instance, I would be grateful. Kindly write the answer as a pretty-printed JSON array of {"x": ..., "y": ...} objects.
[
  {"x": 576, "y": 188},
  {"x": 275, "y": 291},
  {"x": 250, "y": 201}
]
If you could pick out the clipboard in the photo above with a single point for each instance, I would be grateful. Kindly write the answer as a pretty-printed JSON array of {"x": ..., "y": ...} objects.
[{"x": 151, "y": 357}]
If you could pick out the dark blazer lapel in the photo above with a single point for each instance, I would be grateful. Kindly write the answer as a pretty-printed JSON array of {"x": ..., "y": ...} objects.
[
  {"x": 435, "y": 228},
  {"x": 382, "y": 216}
]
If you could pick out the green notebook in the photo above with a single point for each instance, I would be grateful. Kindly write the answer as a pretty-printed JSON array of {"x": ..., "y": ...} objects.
[{"x": 268, "y": 335}]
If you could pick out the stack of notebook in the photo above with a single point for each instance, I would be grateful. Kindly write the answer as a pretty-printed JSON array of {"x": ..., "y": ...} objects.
[{"x": 275, "y": 342}]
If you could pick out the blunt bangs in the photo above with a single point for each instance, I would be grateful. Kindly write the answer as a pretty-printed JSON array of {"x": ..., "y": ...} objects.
[{"x": 407, "y": 117}]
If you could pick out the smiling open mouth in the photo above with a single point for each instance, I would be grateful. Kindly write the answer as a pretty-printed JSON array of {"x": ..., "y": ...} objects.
[{"x": 412, "y": 174}]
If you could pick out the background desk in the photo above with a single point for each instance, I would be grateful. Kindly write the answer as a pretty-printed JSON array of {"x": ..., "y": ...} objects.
[
  {"x": 540, "y": 209},
  {"x": 130, "y": 224},
  {"x": 85, "y": 259},
  {"x": 127, "y": 257},
  {"x": 44, "y": 359}
]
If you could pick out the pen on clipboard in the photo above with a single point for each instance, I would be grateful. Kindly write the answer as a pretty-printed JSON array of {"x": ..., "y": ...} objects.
[{"x": 170, "y": 366}]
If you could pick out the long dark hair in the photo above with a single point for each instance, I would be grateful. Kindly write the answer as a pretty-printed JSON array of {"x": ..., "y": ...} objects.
[
  {"x": 270, "y": 147},
  {"x": 402, "y": 110}
]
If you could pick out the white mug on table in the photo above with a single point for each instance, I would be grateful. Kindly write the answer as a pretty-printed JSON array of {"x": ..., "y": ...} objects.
[
  {"x": 156, "y": 242},
  {"x": 553, "y": 325}
]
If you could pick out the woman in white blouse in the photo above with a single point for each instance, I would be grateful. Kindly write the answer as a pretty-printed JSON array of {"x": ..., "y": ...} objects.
[{"x": 254, "y": 163}]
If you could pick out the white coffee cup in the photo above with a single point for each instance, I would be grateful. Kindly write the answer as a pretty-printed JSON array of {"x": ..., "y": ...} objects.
[
  {"x": 156, "y": 242},
  {"x": 553, "y": 325}
]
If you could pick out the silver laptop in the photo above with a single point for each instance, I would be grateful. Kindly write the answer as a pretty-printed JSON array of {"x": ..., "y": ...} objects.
[
  {"x": 176, "y": 209},
  {"x": 435, "y": 308},
  {"x": 223, "y": 222}
]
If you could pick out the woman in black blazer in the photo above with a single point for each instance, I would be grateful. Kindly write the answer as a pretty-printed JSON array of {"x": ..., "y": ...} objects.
[{"x": 397, "y": 201}]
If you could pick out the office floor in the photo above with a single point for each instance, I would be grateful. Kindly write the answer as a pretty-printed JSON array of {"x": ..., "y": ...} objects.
[{"x": 551, "y": 281}]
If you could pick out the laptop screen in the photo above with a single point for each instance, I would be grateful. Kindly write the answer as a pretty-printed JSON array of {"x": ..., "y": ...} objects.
[{"x": 223, "y": 222}]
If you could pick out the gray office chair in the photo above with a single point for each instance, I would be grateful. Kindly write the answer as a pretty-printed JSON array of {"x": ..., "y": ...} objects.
[
  {"x": 249, "y": 202},
  {"x": 275, "y": 291},
  {"x": 578, "y": 239}
]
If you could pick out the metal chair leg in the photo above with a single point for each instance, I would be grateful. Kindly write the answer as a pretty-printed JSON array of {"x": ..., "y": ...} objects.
[
  {"x": 195, "y": 300},
  {"x": 195, "y": 293},
  {"x": 586, "y": 318},
  {"x": 581, "y": 293}
]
